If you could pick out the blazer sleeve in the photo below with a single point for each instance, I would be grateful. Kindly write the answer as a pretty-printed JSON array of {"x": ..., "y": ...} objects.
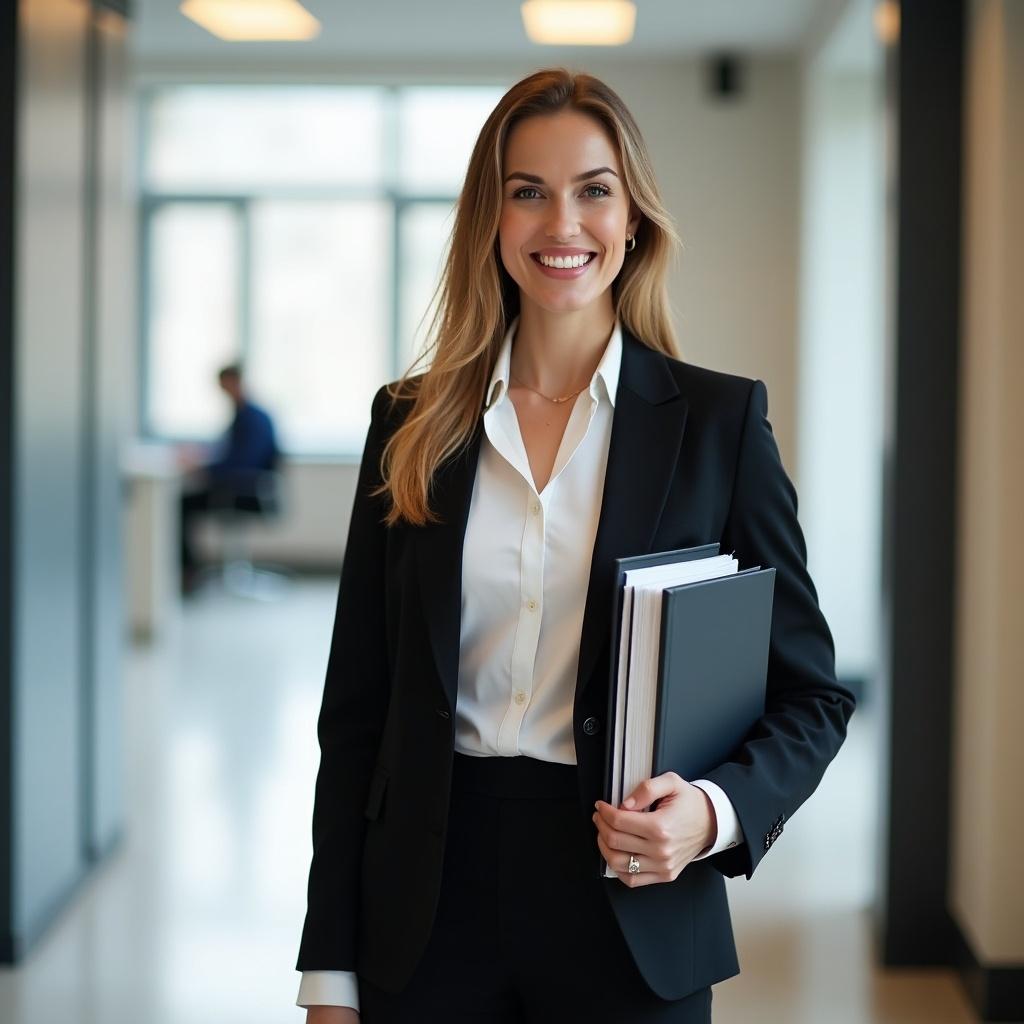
[
  {"x": 784, "y": 756},
  {"x": 350, "y": 724}
]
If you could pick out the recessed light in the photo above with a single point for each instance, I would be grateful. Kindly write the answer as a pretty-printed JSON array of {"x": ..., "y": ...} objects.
[
  {"x": 886, "y": 17},
  {"x": 579, "y": 22},
  {"x": 253, "y": 20}
]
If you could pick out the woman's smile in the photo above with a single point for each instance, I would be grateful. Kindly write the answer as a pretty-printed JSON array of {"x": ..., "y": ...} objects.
[{"x": 564, "y": 267}]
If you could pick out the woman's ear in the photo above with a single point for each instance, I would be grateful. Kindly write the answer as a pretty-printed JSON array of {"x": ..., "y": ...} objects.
[{"x": 635, "y": 216}]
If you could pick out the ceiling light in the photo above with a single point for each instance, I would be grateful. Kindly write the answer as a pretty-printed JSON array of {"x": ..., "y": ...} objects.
[
  {"x": 579, "y": 22},
  {"x": 886, "y": 17},
  {"x": 252, "y": 20}
]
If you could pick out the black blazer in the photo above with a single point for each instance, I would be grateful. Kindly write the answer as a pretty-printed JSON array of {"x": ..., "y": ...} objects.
[{"x": 692, "y": 460}]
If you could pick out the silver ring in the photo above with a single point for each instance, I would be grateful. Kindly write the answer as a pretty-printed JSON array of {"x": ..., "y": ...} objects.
[{"x": 634, "y": 865}]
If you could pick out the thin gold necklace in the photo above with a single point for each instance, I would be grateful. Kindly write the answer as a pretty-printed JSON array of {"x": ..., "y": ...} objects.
[{"x": 563, "y": 398}]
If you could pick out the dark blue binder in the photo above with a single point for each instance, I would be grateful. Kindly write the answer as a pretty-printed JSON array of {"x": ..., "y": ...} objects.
[{"x": 713, "y": 664}]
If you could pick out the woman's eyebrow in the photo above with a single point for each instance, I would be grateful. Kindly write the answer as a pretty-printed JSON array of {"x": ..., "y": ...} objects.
[{"x": 534, "y": 180}]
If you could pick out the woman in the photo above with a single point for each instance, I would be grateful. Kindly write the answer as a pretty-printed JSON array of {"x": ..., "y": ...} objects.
[{"x": 458, "y": 806}]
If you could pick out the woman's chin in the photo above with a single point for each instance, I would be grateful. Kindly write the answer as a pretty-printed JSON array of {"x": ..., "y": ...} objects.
[{"x": 555, "y": 301}]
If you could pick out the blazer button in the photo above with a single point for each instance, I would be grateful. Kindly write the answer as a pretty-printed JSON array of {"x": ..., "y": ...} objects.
[
  {"x": 443, "y": 713},
  {"x": 592, "y": 726}
]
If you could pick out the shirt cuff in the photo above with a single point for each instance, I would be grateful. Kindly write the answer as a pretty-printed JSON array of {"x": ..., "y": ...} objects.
[
  {"x": 729, "y": 832},
  {"x": 328, "y": 988}
]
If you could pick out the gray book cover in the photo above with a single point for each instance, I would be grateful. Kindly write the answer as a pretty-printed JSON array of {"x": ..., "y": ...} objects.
[{"x": 713, "y": 665}]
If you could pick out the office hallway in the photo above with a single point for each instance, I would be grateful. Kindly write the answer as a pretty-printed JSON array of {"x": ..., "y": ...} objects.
[{"x": 196, "y": 918}]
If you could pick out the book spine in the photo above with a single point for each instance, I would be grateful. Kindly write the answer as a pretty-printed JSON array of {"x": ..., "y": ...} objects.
[{"x": 664, "y": 660}]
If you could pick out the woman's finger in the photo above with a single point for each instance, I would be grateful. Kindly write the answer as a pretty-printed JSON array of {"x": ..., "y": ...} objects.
[
  {"x": 619, "y": 863},
  {"x": 643, "y": 825},
  {"x": 646, "y": 792},
  {"x": 616, "y": 840}
]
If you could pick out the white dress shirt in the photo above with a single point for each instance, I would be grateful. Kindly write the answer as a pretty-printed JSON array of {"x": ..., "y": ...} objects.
[{"x": 525, "y": 571}]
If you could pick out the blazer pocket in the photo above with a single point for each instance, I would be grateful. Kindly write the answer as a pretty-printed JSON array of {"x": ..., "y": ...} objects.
[{"x": 378, "y": 786}]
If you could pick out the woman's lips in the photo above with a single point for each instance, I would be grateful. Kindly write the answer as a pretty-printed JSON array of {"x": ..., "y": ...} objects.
[{"x": 564, "y": 273}]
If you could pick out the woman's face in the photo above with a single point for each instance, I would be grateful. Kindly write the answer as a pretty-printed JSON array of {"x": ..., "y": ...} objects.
[{"x": 563, "y": 195}]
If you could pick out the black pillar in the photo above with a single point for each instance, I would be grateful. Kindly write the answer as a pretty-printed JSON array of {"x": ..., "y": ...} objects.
[{"x": 924, "y": 110}]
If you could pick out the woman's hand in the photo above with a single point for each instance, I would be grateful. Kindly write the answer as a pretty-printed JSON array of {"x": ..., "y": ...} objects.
[
  {"x": 331, "y": 1015},
  {"x": 664, "y": 840}
]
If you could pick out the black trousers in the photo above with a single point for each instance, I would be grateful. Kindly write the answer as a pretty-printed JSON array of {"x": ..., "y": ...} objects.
[{"x": 523, "y": 933}]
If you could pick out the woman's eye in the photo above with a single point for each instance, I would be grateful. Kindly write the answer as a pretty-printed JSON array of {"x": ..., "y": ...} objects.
[{"x": 602, "y": 190}]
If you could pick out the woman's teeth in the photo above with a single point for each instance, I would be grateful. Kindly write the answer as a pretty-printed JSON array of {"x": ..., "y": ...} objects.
[{"x": 561, "y": 263}]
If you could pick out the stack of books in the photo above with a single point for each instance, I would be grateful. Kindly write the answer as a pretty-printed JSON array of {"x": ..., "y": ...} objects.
[{"x": 689, "y": 664}]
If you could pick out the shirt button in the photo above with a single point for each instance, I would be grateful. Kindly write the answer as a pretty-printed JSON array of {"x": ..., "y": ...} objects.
[
  {"x": 519, "y": 697},
  {"x": 532, "y": 605},
  {"x": 535, "y": 508}
]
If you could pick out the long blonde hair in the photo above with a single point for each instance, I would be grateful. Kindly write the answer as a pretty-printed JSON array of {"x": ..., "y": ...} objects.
[{"x": 479, "y": 299}]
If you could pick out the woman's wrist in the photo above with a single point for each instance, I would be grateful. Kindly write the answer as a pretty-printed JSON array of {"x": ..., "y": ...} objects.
[
  {"x": 331, "y": 1015},
  {"x": 711, "y": 827}
]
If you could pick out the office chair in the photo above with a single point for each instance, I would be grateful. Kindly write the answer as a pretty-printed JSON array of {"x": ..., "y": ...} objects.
[{"x": 234, "y": 510}]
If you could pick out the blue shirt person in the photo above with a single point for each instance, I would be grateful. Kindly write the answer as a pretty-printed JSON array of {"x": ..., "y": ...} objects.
[
  {"x": 237, "y": 471},
  {"x": 248, "y": 448}
]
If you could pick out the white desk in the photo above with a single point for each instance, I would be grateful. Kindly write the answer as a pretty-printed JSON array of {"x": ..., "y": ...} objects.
[{"x": 152, "y": 510}]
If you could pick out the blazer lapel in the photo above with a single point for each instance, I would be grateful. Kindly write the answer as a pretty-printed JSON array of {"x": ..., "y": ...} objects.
[
  {"x": 439, "y": 561},
  {"x": 647, "y": 431}
]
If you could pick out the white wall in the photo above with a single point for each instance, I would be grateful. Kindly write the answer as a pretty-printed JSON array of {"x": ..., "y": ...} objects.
[{"x": 729, "y": 173}]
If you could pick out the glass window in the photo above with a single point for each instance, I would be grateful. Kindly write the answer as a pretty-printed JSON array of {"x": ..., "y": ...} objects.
[
  {"x": 437, "y": 129},
  {"x": 193, "y": 314},
  {"x": 237, "y": 138},
  {"x": 321, "y": 314},
  {"x": 423, "y": 232}
]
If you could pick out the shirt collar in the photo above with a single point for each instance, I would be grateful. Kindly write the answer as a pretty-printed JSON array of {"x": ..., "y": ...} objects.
[{"x": 607, "y": 369}]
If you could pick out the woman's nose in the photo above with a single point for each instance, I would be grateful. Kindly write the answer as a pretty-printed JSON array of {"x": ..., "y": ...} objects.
[{"x": 564, "y": 221}]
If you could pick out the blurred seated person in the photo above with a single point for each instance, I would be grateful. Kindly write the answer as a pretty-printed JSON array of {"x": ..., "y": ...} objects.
[{"x": 230, "y": 474}]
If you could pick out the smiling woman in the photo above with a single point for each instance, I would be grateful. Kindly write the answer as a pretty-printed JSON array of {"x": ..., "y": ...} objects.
[
  {"x": 454, "y": 874},
  {"x": 565, "y": 226},
  {"x": 589, "y": 180}
]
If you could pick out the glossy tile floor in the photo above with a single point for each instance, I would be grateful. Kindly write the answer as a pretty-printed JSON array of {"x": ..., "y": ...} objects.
[{"x": 196, "y": 919}]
